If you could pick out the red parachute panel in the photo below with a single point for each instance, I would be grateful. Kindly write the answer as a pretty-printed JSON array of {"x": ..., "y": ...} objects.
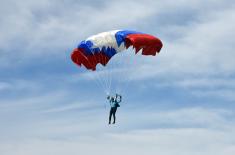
[{"x": 150, "y": 44}]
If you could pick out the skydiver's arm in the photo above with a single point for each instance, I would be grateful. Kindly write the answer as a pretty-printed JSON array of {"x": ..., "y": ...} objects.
[{"x": 120, "y": 97}]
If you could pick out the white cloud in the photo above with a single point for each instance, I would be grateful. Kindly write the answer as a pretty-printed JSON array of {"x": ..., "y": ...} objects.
[
  {"x": 205, "y": 48},
  {"x": 166, "y": 141},
  {"x": 30, "y": 103},
  {"x": 197, "y": 117},
  {"x": 48, "y": 24},
  {"x": 224, "y": 94},
  {"x": 78, "y": 105},
  {"x": 19, "y": 85},
  {"x": 51, "y": 121},
  {"x": 207, "y": 82},
  {"x": 4, "y": 86},
  {"x": 44, "y": 27}
]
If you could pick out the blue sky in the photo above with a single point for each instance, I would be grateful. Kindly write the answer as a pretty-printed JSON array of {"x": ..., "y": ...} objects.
[{"x": 179, "y": 102}]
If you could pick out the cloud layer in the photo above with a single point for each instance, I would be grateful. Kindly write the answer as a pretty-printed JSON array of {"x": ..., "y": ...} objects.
[{"x": 179, "y": 102}]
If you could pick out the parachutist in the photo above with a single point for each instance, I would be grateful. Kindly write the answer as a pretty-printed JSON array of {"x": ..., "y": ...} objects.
[
  {"x": 100, "y": 49},
  {"x": 114, "y": 103}
]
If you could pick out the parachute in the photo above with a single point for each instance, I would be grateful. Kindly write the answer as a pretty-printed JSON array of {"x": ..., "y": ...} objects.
[{"x": 100, "y": 48}]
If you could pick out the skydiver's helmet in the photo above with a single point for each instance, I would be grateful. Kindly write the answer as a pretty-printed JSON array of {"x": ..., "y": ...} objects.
[{"x": 108, "y": 97}]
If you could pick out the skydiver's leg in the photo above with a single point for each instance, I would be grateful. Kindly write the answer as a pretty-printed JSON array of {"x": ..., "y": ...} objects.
[
  {"x": 110, "y": 114},
  {"x": 114, "y": 115}
]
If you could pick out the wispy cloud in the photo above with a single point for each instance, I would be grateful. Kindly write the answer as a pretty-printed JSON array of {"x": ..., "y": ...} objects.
[
  {"x": 49, "y": 106},
  {"x": 205, "y": 48},
  {"x": 136, "y": 141}
]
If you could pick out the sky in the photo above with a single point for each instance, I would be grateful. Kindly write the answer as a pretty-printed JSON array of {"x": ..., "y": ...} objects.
[{"x": 179, "y": 102}]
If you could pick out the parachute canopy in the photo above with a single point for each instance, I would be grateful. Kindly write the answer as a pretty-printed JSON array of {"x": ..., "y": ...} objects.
[{"x": 102, "y": 47}]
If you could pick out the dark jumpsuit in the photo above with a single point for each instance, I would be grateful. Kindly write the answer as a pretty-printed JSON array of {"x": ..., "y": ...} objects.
[{"x": 113, "y": 110}]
